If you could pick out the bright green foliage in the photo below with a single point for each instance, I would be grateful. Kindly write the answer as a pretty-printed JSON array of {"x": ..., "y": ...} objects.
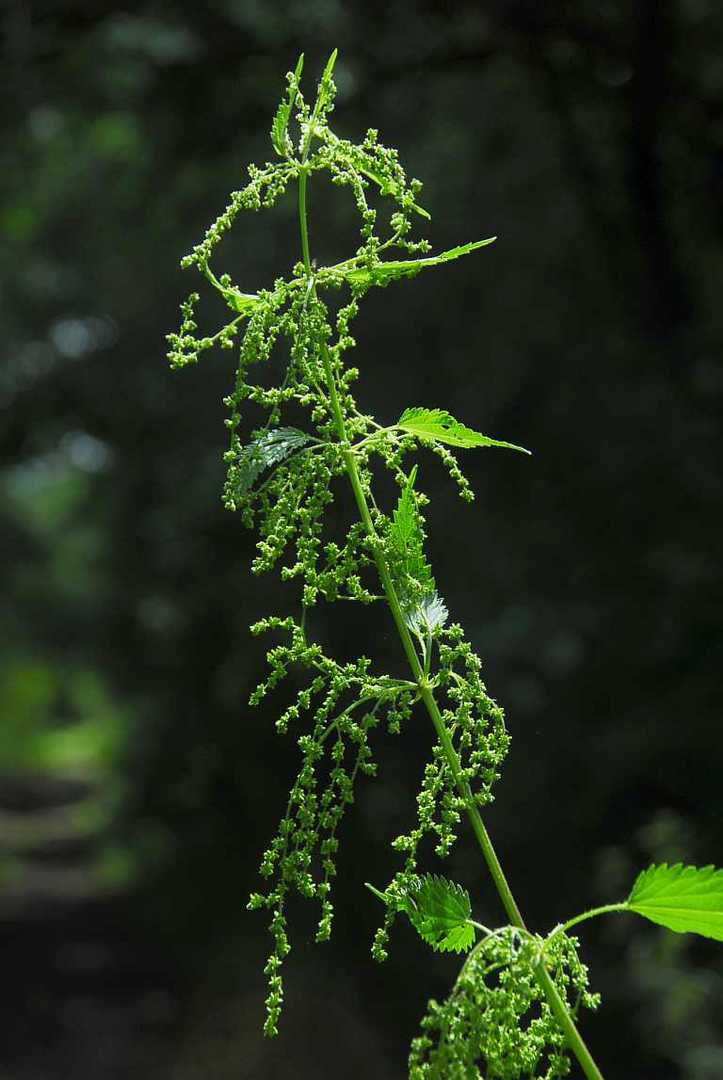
[
  {"x": 283, "y": 481},
  {"x": 279, "y": 137},
  {"x": 438, "y": 909},
  {"x": 687, "y": 899},
  {"x": 438, "y": 426},
  {"x": 504, "y": 1018},
  {"x": 377, "y": 163},
  {"x": 496, "y": 1022},
  {"x": 344, "y": 703},
  {"x": 476, "y": 727},
  {"x": 411, "y": 573},
  {"x": 244, "y": 303},
  {"x": 386, "y": 272}
]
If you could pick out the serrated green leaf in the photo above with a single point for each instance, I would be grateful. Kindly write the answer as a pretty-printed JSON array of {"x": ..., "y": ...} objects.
[
  {"x": 411, "y": 572},
  {"x": 279, "y": 136},
  {"x": 437, "y": 424},
  {"x": 458, "y": 939},
  {"x": 440, "y": 910},
  {"x": 405, "y": 523},
  {"x": 385, "y": 272},
  {"x": 686, "y": 899},
  {"x": 268, "y": 449}
]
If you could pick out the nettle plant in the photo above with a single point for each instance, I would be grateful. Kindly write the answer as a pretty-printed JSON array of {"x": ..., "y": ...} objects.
[{"x": 513, "y": 1010}]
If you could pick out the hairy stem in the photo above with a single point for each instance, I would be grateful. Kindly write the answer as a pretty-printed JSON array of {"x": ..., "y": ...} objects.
[{"x": 557, "y": 1005}]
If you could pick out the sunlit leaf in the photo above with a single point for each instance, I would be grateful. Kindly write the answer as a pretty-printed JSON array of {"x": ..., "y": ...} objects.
[
  {"x": 279, "y": 135},
  {"x": 384, "y": 272},
  {"x": 686, "y": 899},
  {"x": 412, "y": 573},
  {"x": 439, "y": 425},
  {"x": 438, "y": 909}
]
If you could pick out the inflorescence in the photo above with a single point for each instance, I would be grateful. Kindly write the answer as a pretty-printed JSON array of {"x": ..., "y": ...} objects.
[{"x": 283, "y": 478}]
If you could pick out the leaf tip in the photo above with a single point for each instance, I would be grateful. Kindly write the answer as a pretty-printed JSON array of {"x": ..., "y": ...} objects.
[{"x": 372, "y": 889}]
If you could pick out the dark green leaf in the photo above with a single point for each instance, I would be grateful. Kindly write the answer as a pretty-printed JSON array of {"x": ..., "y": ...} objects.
[{"x": 268, "y": 449}]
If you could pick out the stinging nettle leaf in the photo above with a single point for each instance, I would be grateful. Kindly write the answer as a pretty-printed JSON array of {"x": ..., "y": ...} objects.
[
  {"x": 440, "y": 426},
  {"x": 686, "y": 899},
  {"x": 440, "y": 911},
  {"x": 406, "y": 540},
  {"x": 385, "y": 272},
  {"x": 268, "y": 449}
]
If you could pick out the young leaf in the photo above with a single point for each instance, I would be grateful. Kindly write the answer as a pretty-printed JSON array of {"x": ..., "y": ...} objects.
[
  {"x": 279, "y": 136},
  {"x": 384, "y": 272},
  {"x": 440, "y": 910},
  {"x": 437, "y": 424},
  {"x": 325, "y": 81},
  {"x": 266, "y": 450},
  {"x": 686, "y": 899},
  {"x": 324, "y": 103},
  {"x": 429, "y": 615},
  {"x": 413, "y": 575},
  {"x": 325, "y": 91}
]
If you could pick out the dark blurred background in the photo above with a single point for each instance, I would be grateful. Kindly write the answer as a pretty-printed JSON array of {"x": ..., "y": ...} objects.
[{"x": 137, "y": 789}]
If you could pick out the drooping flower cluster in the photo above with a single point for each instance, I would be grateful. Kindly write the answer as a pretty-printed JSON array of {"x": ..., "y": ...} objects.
[
  {"x": 496, "y": 1022},
  {"x": 283, "y": 477}
]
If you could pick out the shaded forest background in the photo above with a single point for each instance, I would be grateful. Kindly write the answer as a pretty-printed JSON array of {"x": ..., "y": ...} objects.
[{"x": 136, "y": 787}]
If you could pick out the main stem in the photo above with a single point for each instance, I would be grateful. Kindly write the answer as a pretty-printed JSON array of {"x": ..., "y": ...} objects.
[{"x": 557, "y": 1005}]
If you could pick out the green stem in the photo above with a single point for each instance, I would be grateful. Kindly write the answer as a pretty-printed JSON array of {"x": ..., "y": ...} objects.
[
  {"x": 302, "y": 221},
  {"x": 593, "y": 913},
  {"x": 557, "y": 1005}
]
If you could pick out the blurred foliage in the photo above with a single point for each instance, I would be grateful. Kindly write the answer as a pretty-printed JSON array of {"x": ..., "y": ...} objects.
[{"x": 589, "y": 137}]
